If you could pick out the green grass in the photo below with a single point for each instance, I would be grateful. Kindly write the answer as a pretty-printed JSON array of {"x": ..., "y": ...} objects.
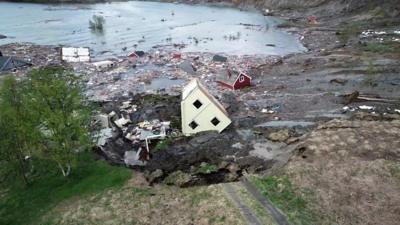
[
  {"x": 349, "y": 31},
  {"x": 162, "y": 145},
  {"x": 27, "y": 204},
  {"x": 281, "y": 192},
  {"x": 197, "y": 196},
  {"x": 381, "y": 48},
  {"x": 206, "y": 168}
]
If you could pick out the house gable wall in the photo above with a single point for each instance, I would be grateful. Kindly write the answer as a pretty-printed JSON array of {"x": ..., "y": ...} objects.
[
  {"x": 246, "y": 82},
  {"x": 203, "y": 115}
]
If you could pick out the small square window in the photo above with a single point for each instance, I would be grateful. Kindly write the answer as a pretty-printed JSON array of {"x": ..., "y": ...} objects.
[
  {"x": 215, "y": 121},
  {"x": 197, "y": 104},
  {"x": 193, "y": 125}
]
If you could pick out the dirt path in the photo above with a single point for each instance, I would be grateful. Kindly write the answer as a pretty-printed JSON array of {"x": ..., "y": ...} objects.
[
  {"x": 274, "y": 212},
  {"x": 249, "y": 216}
]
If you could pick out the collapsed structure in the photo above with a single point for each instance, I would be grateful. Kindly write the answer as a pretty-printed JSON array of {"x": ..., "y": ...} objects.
[
  {"x": 200, "y": 111},
  {"x": 9, "y": 63}
]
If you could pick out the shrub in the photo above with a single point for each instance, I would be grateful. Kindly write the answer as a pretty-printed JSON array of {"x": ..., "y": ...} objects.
[{"x": 97, "y": 23}]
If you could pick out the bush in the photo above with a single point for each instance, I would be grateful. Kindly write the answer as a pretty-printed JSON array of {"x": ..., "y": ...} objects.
[
  {"x": 206, "y": 168},
  {"x": 97, "y": 23}
]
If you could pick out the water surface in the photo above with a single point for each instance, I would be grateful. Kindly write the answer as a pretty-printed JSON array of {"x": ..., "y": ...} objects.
[{"x": 143, "y": 25}]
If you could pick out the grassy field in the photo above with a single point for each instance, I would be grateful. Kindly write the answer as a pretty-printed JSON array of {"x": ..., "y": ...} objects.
[
  {"x": 292, "y": 201},
  {"x": 97, "y": 193},
  {"x": 26, "y": 204}
]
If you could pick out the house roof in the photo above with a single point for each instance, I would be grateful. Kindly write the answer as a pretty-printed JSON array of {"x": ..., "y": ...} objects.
[
  {"x": 9, "y": 63},
  {"x": 229, "y": 76},
  {"x": 195, "y": 84}
]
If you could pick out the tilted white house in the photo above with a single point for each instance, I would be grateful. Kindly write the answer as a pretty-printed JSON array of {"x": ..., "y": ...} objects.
[{"x": 201, "y": 111}]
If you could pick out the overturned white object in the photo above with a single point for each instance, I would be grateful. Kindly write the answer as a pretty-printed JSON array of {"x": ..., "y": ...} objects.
[
  {"x": 201, "y": 111},
  {"x": 104, "y": 64},
  {"x": 132, "y": 158},
  {"x": 71, "y": 54}
]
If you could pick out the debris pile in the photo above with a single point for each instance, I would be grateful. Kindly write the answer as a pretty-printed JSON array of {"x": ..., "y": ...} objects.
[{"x": 126, "y": 130}]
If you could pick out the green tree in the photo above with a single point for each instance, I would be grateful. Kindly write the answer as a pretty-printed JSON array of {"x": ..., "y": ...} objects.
[
  {"x": 64, "y": 116},
  {"x": 18, "y": 134}
]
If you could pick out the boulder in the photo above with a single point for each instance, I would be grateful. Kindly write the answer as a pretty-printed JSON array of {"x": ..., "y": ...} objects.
[
  {"x": 178, "y": 178},
  {"x": 280, "y": 136},
  {"x": 153, "y": 176},
  {"x": 219, "y": 58},
  {"x": 187, "y": 67}
]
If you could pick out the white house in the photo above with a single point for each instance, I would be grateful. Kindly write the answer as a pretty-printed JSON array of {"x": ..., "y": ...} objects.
[
  {"x": 201, "y": 111},
  {"x": 75, "y": 54}
]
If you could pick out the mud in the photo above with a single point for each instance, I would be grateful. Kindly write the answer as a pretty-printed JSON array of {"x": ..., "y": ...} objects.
[{"x": 288, "y": 92}]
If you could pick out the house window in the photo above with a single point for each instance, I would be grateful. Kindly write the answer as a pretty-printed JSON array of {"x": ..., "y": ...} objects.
[
  {"x": 197, "y": 104},
  {"x": 215, "y": 121},
  {"x": 193, "y": 125},
  {"x": 241, "y": 78}
]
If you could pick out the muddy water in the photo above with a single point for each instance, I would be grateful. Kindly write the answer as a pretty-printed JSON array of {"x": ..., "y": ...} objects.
[{"x": 144, "y": 25}]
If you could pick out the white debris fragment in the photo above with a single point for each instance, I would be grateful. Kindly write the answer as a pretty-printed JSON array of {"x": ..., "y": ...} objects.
[
  {"x": 104, "y": 64},
  {"x": 132, "y": 158},
  {"x": 366, "y": 107},
  {"x": 397, "y": 110},
  {"x": 102, "y": 120},
  {"x": 122, "y": 122},
  {"x": 113, "y": 113},
  {"x": 238, "y": 145},
  {"x": 268, "y": 111},
  {"x": 103, "y": 135}
]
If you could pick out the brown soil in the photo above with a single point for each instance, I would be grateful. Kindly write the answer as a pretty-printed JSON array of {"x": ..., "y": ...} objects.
[{"x": 353, "y": 170}]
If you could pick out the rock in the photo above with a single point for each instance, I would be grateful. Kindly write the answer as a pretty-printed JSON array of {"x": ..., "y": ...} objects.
[
  {"x": 178, "y": 178},
  {"x": 238, "y": 145},
  {"x": 219, "y": 58},
  {"x": 223, "y": 165},
  {"x": 338, "y": 81},
  {"x": 3, "y": 36},
  {"x": 347, "y": 99},
  {"x": 187, "y": 67},
  {"x": 153, "y": 176},
  {"x": 280, "y": 136},
  {"x": 270, "y": 45},
  {"x": 233, "y": 168},
  {"x": 140, "y": 53},
  {"x": 231, "y": 177}
]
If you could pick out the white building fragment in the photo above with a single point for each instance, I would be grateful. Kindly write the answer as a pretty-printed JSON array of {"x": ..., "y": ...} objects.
[
  {"x": 201, "y": 111},
  {"x": 70, "y": 54},
  {"x": 104, "y": 65}
]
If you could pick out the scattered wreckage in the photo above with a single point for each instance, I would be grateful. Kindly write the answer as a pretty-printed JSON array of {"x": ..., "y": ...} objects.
[
  {"x": 8, "y": 63},
  {"x": 139, "y": 134}
]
